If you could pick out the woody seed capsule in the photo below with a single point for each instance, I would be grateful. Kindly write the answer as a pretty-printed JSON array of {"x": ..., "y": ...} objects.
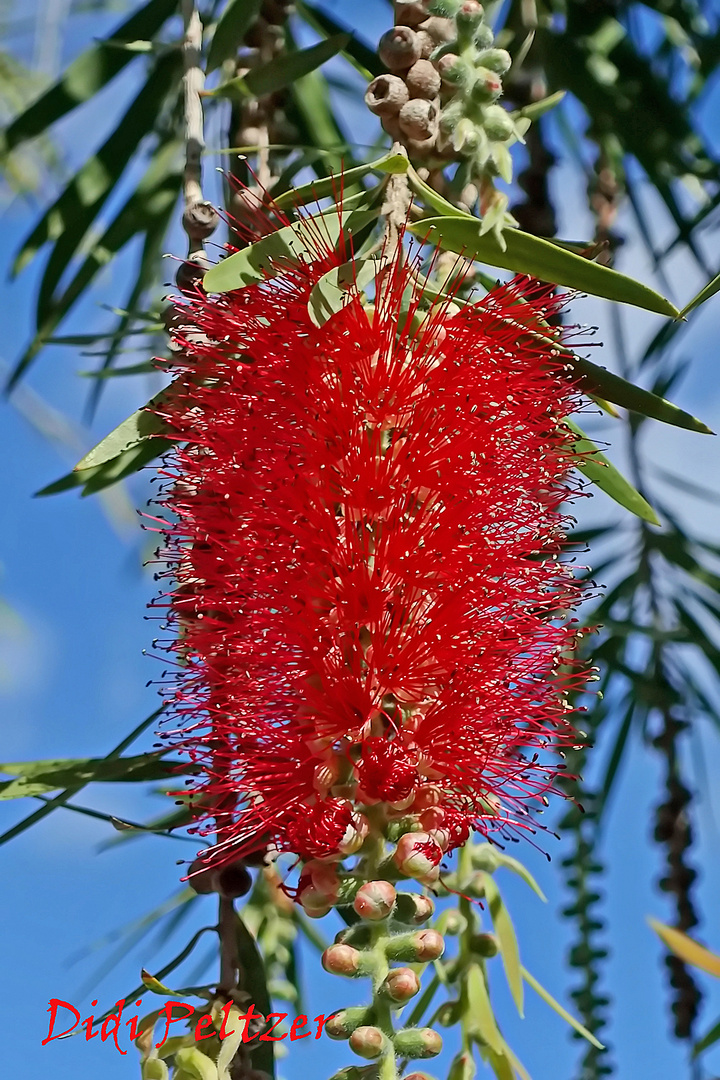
[
  {"x": 422, "y": 80},
  {"x": 386, "y": 95},
  {"x": 399, "y": 48},
  {"x": 411, "y": 12}
]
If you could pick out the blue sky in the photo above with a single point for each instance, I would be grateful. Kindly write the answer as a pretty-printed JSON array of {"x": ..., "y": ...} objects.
[{"x": 73, "y": 675}]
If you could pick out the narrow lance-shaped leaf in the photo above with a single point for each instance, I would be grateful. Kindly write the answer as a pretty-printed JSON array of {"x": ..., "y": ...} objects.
[
  {"x": 687, "y": 949},
  {"x": 88, "y": 73},
  {"x": 568, "y": 1017},
  {"x": 149, "y": 207},
  {"x": 509, "y": 951},
  {"x": 235, "y": 21},
  {"x": 331, "y": 185},
  {"x": 264, "y": 258},
  {"x": 593, "y": 464},
  {"x": 526, "y": 254},
  {"x": 281, "y": 71},
  {"x": 365, "y": 59},
  {"x": 709, "y": 290}
]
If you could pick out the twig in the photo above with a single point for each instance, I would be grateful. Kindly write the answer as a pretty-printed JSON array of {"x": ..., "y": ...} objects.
[
  {"x": 228, "y": 944},
  {"x": 193, "y": 85}
]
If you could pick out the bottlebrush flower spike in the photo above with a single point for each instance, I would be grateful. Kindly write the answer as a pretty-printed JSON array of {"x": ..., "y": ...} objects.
[{"x": 365, "y": 520}]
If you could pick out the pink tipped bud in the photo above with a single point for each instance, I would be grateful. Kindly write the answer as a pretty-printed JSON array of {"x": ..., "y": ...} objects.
[
  {"x": 418, "y": 948},
  {"x": 374, "y": 900},
  {"x": 342, "y": 1024},
  {"x": 401, "y": 984},
  {"x": 341, "y": 960},
  {"x": 368, "y": 1042},
  {"x": 418, "y": 1043},
  {"x": 475, "y": 887},
  {"x": 417, "y": 855},
  {"x": 314, "y": 903}
]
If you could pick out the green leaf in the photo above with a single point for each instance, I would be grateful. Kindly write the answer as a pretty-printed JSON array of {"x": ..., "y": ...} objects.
[
  {"x": 331, "y": 185},
  {"x": 600, "y": 471},
  {"x": 88, "y": 73},
  {"x": 517, "y": 868},
  {"x": 70, "y": 216},
  {"x": 526, "y": 254},
  {"x": 629, "y": 396},
  {"x": 112, "y": 472},
  {"x": 36, "y": 777},
  {"x": 506, "y": 936},
  {"x": 265, "y": 257},
  {"x": 339, "y": 285},
  {"x": 254, "y": 982},
  {"x": 66, "y": 795},
  {"x": 149, "y": 208},
  {"x": 480, "y": 1020},
  {"x": 550, "y": 1000},
  {"x": 141, "y": 425},
  {"x": 707, "y": 1040},
  {"x": 538, "y": 108},
  {"x": 281, "y": 71},
  {"x": 366, "y": 60},
  {"x": 710, "y": 289},
  {"x": 234, "y": 23}
]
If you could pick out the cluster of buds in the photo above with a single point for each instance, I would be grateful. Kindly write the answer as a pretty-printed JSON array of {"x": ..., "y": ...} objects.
[
  {"x": 441, "y": 96},
  {"x": 390, "y": 928}
]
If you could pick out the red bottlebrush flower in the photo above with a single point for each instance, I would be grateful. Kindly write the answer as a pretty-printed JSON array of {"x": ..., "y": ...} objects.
[{"x": 366, "y": 524}]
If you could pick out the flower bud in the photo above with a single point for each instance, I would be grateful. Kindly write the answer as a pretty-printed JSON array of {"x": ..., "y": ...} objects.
[
  {"x": 358, "y": 935},
  {"x": 417, "y": 854},
  {"x": 374, "y": 900},
  {"x": 485, "y": 945},
  {"x": 418, "y": 118},
  {"x": 386, "y": 95},
  {"x": 487, "y": 86},
  {"x": 413, "y": 908},
  {"x": 418, "y": 948},
  {"x": 401, "y": 984},
  {"x": 314, "y": 903},
  {"x": 418, "y": 1043},
  {"x": 399, "y": 48},
  {"x": 497, "y": 60},
  {"x": 497, "y": 123},
  {"x": 423, "y": 80},
  {"x": 475, "y": 887},
  {"x": 485, "y": 857},
  {"x": 200, "y": 877},
  {"x": 342, "y": 1024},
  {"x": 342, "y": 960},
  {"x": 368, "y": 1042},
  {"x": 418, "y": 1076},
  {"x": 355, "y": 835}
]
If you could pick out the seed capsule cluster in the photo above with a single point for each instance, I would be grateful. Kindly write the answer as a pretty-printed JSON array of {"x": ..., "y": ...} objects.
[
  {"x": 384, "y": 934},
  {"x": 443, "y": 84}
]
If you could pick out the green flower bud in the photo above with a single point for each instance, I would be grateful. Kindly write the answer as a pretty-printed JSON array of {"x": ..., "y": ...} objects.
[
  {"x": 485, "y": 857},
  {"x": 498, "y": 123},
  {"x": 497, "y": 60},
  {"x": 487, "y": 86},
  {"x": 154, "y": 1069},
  {"x": 485, "y": 945},
  {"x": 418, "y": 1043}
]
